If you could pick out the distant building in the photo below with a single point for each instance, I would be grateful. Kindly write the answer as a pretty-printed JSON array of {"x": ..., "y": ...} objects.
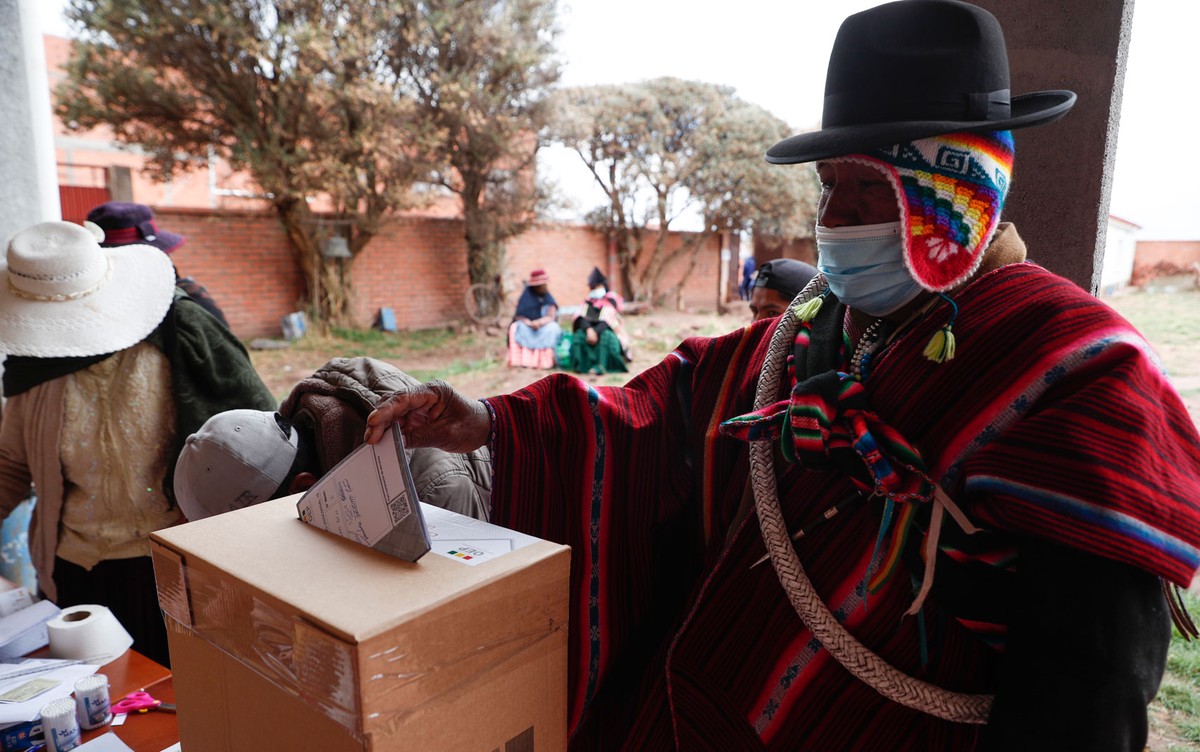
[
  {"x": 1120, "y": 248},
  {"x": 1166, "y": 258},
  {"x": 94, "y": 168}
]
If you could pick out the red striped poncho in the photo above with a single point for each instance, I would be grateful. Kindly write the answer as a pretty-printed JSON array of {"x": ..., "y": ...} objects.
[{"x": 1054, "y": 422}]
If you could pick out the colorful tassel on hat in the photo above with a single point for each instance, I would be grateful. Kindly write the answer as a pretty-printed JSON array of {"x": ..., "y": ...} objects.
[
  {"x": 941, "y": 344},
  {"x": 807, "y": 311}
]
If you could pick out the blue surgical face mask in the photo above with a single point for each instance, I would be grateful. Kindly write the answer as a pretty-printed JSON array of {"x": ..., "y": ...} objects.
[{"x": 864, "y": 266}]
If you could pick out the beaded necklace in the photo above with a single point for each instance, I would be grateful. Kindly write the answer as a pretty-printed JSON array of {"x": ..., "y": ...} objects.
[{"x": 868, "y": 343}]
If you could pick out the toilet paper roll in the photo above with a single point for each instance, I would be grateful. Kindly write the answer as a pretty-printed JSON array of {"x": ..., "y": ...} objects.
[{"x": 87, "y": 633}]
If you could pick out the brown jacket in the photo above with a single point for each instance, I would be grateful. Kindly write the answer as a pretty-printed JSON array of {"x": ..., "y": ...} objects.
[
  {"x": 29, "y": 439},
  {"x": 333, "y": 405}
]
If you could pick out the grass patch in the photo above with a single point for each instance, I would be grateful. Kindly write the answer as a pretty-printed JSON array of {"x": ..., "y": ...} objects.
[
  {"x": 457, "y": 368},
  {"x": 1164, "y": 318},
  {"x": 396, "y": 344},
  {"x": 1190, "y": 730},
  {"x": 1178, "y": 700},
  {"x": 1183, "y": 661},
  {"x": 352, "y": 343},
  {"x": 1177, "y": 696}
]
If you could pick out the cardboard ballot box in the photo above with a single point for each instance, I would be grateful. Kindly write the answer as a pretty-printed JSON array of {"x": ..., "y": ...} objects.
[{"x": 284, "y": 636}]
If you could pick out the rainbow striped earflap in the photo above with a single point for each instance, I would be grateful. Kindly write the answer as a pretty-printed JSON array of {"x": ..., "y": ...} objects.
[{"x": 952, "y": 190}]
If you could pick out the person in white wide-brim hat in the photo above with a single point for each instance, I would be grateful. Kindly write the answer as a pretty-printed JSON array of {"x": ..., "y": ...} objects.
[
  {"x": 62, "y": 295},
  {"x": 108, "y": 364}
]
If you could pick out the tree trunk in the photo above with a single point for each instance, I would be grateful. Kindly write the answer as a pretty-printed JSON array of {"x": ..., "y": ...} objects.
[
  {"x": 629, "y": 255},
  {"x": 327, "y": 283},
  {"x": 484, "y": 261},
  {"x": 338, "y": 292}
]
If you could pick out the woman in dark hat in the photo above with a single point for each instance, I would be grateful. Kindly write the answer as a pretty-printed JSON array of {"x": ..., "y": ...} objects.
[
  {"x": 598, "y": 340},
  {"x": 127, "y": 223},
  {"x": 971, "y": 479}
]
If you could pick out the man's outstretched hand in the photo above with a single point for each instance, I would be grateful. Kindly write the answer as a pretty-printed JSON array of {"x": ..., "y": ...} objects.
[{"x": 432, "y": 415}]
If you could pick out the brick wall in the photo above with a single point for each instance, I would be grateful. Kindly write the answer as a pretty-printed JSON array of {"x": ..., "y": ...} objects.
[
  {"x": 566, "y": 252},
  {"x": 417, "y": 267},
  {"x": 245, "y": 261},
  {"x": 1153, "y": 258}
]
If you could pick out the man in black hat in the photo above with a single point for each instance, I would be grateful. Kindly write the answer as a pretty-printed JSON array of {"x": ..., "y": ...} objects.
[
  {"x": 935, "y": 505},
  {"x": 126, "y": 223},
  {"x": 777, "y": 283}
]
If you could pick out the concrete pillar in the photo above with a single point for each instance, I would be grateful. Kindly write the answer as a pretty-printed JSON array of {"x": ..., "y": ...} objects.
[
  {"x": 29, "y": 188},
  {"x": 1062, "y": 179},
  {"x": 120, "y": 183}
]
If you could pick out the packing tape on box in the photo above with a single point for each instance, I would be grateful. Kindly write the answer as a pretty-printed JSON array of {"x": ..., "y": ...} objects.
[
  {"x": 281, "y": 647},
  {"x": 401, "y": 672},
  {"x": 87, "y": 633}
]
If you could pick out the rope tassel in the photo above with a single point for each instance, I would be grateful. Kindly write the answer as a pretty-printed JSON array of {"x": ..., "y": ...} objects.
[
  {"x": 807, "y": 311},
  {"x": 942, "y": 505},
  {"x": 1179, "y": 613}
]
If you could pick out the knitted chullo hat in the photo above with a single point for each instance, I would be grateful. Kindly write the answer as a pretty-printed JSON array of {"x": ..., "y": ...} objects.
[{"x": 951, "y": 189}]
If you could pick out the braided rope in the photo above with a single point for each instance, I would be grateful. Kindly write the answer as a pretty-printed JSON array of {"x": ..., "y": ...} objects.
[{"x": 859, "y": 660}]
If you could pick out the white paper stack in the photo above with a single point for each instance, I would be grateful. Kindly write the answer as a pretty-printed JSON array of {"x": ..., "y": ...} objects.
[{"x": 23, "y": 623}]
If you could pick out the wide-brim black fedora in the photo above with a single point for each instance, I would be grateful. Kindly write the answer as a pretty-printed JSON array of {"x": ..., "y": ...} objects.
[{"x": 913, "y": 69}]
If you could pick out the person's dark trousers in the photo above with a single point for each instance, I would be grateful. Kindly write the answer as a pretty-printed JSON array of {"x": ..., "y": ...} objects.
[{"x": 126, "y": 587}]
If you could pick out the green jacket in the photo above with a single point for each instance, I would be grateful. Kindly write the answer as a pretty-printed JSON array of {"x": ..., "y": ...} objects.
[{"x": 210, "y": 372}]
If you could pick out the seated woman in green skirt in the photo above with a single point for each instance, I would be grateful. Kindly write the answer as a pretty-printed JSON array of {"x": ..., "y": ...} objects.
[{"x": 598, "y": 342}]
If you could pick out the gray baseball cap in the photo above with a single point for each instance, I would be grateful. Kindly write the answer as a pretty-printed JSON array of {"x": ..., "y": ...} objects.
[{"x": 236, "y": 459}]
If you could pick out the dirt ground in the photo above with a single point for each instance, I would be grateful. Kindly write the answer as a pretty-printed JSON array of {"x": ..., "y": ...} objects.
[{"x": 474, "y": 363}]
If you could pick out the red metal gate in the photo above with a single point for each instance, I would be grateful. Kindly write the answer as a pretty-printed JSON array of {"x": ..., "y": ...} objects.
[
  {"x": 77, "y": 201},
  {"x": 81, "y": 187}
]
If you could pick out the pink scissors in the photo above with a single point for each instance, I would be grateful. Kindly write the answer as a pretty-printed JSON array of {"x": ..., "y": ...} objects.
[{"x": 140, "y": 702}]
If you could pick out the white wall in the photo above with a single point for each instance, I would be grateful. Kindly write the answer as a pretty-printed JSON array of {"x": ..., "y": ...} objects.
[
  {"x": 1119, "y": 246},
  {"x": 29, "y": 190}
]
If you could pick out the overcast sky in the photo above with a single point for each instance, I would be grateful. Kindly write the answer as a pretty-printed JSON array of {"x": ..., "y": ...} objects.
[{"x": 774, "y": 54}]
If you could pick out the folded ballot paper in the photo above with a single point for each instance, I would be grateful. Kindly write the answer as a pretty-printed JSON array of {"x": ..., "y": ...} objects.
[
  {"x": 23, "y": 623},
  {"x": 369, "y": 497}
]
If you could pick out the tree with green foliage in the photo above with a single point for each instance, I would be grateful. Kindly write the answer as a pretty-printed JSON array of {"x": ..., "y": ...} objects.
[
  {"x": 667, "y": 147},
  {"x": 298, "y": 93},
  {"x": 480, "y": 72},
  {"x": 339, "y": 101}
]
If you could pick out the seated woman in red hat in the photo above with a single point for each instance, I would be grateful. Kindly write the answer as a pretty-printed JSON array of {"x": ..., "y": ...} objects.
[{"x": 535, "y": 331}]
